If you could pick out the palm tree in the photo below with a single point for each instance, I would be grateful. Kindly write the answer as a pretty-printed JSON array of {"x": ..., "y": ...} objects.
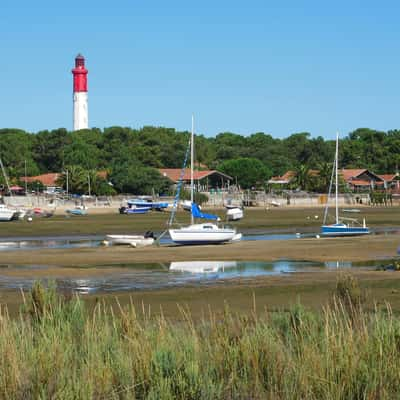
[
  {"x": 324, "y": 176},
  {"x": 74, "y": 179},
  {"x": 303, "y": 177}
]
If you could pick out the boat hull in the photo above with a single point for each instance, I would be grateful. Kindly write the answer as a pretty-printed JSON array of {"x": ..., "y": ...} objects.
[
  {"x": 137, "y": 210},
  {"x": 234, "y": 214},
  {"x": 158, "y": 206},
  {"x": 76, "y": 212},
  {"x": 198, "y": 236},
  {"x": 335, "y": 231},
  {"x": 132, "y": 240},
  {"x": 7, "y": 215}
]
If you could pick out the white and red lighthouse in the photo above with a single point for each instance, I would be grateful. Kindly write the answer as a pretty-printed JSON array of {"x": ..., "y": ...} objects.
[{"x": 80, "y": 94}]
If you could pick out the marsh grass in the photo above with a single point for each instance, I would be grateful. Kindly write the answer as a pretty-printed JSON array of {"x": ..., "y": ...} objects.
[{"x": 56, "y": 349}]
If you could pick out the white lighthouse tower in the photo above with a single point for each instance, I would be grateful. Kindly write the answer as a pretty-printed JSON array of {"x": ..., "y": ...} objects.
[{"x": 80, "y": 94}]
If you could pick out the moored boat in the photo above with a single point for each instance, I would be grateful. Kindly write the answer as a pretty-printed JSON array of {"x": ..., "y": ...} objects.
[
  {"x": 131, "y": 240},
  {"x": 234, "y": 214},
  {"x": 206, "y": 233},
  {"x": 7, "y": 214},
  {"x": 340, "y": 228},
  {"x": 80, "y": 210},
  {"x": 146, "y": 203}
]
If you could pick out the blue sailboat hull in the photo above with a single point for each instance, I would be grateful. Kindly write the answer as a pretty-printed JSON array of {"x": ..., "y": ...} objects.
[{"x": 343, "y": 230}]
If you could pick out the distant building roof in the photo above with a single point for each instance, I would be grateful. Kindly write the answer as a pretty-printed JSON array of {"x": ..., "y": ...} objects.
[
  {"x": 351, "y": 173},
  {"x": 102, "y": 174},
  {"x": 388, "y": 177},
  {"x": 174, "y": 174},
  {"x": 289, "y": 175},
  {"x": 49, "y": 179}
]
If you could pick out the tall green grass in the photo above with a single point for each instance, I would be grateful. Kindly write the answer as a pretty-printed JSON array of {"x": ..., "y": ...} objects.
[{"x": 57, "y": 350}]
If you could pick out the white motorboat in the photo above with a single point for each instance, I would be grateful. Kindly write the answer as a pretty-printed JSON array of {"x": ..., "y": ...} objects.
[
  {"x": 234, "y": 214},
  {"x": 207, "y": 233},
  {"x": 196, "y": 267},
  {"x": 6, "y": 213},
  {"x": 131, "y": 240}
]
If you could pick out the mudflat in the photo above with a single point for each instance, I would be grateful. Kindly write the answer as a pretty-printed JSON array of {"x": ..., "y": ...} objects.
[
  {"x": 313, "y": 249},
  {"x": 312, "y": 289},
  {"x": 255, "y": 219}
]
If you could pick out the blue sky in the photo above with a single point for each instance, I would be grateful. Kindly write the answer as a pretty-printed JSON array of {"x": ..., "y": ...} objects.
[{"x": 245, "y": 67}]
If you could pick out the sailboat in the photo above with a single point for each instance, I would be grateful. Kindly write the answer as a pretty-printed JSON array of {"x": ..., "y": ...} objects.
[
  {"x": 340, "y": 228},
  {"x": 206, "y": 233},
  {"x": 9, "y": 213}
]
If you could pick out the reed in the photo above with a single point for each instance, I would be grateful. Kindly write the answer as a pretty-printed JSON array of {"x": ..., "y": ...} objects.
[{"x": 56, "y": 349}]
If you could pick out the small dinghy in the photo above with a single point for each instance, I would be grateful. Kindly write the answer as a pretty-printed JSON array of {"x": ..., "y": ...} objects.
[
  {"x": 79, "y": 210},
  {"x": 131, "y": 240},
  {"x": 234, "y": 214}
]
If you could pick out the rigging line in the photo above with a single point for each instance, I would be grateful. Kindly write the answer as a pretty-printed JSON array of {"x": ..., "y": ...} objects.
[
  {"x": 329, "y": 192},
  {"x": 6, "y": 177},
  {"x": 179, "y": 186}
]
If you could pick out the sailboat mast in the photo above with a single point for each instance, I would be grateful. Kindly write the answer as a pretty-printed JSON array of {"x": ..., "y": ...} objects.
[
  {"x": 336, "y": 179},
  {"x": 26, "y": 182},
  {"x": 191, "y": 171},
  {"x": 6, "y": 178}
]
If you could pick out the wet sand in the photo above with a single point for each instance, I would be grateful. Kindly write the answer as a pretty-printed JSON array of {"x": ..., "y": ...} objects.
[
  {"x": 313, "y": 249},
  {"x": 312, "y": 289}
]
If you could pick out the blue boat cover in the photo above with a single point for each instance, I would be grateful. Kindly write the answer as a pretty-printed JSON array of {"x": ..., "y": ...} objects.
[{"x": 198, "y": 214}]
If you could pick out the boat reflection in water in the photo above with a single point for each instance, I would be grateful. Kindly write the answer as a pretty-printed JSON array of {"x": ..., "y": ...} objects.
[
  {"x": 197, "y": 267},
  {"x": 82, "y": 286}
]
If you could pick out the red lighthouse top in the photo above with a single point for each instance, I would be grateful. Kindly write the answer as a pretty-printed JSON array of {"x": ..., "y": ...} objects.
[{"x": 80, "y": 74}]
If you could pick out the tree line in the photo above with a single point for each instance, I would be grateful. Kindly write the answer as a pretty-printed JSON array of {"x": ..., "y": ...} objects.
[{"x": 131, "y": 156}]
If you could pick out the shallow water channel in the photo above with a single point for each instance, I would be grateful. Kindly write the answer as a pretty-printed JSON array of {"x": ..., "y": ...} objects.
[
  {"x": 132, "y": 277},
  {"x": 80, "y": 241}
]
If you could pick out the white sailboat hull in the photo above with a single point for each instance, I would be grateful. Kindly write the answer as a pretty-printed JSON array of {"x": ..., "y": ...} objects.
[
  {"x": 202, "y": 234},
  {"x": 132, "y": 240}
]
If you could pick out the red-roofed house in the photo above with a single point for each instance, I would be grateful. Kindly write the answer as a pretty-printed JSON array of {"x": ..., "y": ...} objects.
[
  {"x": 356, "y": 179},
  {"x": 203, "y": 180},
  {"x": 47, "y": 180},
  {"x": 361, "y": 179},
  {"x": 391, "y": 181}
]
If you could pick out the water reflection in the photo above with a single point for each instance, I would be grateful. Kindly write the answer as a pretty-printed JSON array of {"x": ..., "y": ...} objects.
[
  {"x": 201, "y": 266},
  {"x": 62, "y": 242},
  {"x": 103, "y": 279}
]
